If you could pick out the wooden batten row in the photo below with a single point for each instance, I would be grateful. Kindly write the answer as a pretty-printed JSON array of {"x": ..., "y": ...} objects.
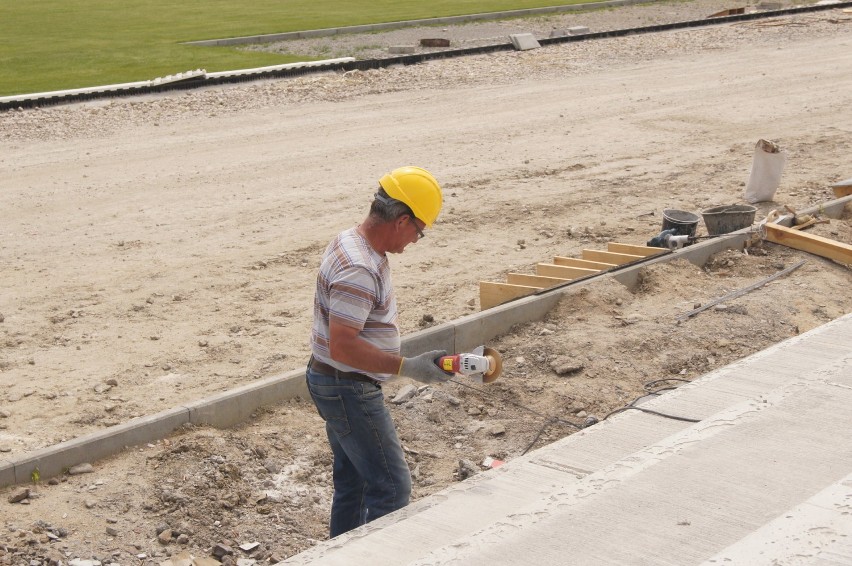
[{"x": 562, "y": 270}]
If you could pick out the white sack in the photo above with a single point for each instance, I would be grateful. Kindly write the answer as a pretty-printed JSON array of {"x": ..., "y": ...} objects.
[{"x": 765, "y": 174}]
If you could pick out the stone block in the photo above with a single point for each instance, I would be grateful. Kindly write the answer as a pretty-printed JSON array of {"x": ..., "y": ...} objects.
[
  {"x": 578, "y": 30},
  {"x": 524, "y": 41}
]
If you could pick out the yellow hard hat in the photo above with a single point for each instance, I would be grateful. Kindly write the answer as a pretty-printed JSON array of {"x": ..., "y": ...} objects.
[{"x": 417, "y": 188}]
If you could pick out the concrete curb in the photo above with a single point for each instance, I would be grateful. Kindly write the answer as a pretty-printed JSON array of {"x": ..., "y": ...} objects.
[
  {"x": 367, "y": 28},
  {"x": 229, "y": 408}
]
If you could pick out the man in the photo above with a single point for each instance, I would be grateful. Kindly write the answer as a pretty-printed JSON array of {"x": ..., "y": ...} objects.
[{"x": 355, "y": 348}]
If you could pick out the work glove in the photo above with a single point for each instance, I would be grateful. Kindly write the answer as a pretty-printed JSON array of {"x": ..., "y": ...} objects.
[{"x": 423, "y": 368}]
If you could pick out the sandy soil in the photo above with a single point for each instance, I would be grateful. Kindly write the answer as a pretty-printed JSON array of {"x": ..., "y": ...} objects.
[{"x": 162, "y": 249}]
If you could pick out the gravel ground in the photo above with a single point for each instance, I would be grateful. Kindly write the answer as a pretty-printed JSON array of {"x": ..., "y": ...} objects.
[{"x": 477, "y": 34}]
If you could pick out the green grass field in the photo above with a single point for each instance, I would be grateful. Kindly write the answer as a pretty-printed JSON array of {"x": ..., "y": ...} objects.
[{"x": 59, "y": 44}]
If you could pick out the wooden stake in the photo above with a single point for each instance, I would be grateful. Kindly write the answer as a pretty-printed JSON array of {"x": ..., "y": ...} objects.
[
  {"x": 538, "y": 281},
  {"x": 609, "y": 257},
  {"x": 584, "y": 263},
  {"x": 630, "y": 249},
  {"x": 493, "y": 294}
]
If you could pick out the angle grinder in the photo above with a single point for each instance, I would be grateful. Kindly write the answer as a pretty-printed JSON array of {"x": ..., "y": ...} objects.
[{"x": 482, "y": 364}]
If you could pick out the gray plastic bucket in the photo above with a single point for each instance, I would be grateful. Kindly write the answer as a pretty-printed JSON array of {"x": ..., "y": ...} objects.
[
  {"x": 683, "y": 222},
  {"x": 729, "y": 218}
]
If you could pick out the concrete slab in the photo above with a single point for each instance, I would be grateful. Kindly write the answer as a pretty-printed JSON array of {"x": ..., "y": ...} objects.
[{"x": 825, "y": 518}]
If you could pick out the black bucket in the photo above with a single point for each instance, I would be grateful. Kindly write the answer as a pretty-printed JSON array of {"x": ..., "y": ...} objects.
[
  {"x": 725, "y": 219},
  {"x": 684, "y": 223}
]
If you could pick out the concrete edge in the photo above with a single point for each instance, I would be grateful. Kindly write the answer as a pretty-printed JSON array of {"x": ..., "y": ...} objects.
[
  {"x": 54, "y": 460},
  {"x": 7, "y": 473},
  {"x": 226, "y": 409},
  {"x": 231, "y": 407},
  {"x": 367, "y": 28}
]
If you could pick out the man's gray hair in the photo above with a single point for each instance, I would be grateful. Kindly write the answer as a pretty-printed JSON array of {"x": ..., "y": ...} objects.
[{"x": 388, "y": 209}]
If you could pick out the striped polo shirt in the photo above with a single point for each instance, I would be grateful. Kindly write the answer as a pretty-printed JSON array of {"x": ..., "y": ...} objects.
[{"x": 354, "y": 289}]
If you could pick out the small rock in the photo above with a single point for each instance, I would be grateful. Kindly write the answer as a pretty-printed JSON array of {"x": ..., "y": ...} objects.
[
  {"x": 220, "y": 550},
  {"x": 102, "y": 388},
  {"x": 2, "y": 318},
  {"x": 203, "y": 343},
  {"x": 565, "y": 365},
  {"x": 630, "y": 319},
  {"x": 581, "y": 414},
  {"x": 545, "y": 332},
  {"x": 406, "y": 393},
  {"x": 165, "y": 537},
  {"x": 466, "y": 469},
  {"x": 112, "y": 382},
  {"x": 90, "y": 503},
  {"x": 249, "y": 546},
  {"x": 81, "y": 469},
  {"x": 19, "y": 495},
  {"x": 112, "y": 531},
  {"x": 721, "y": 307},
  {"x": 454, "y": 401},
  {"x": 496, "y": 429},
  {"x": 272, "y": 467},
  {"x": 4, "y": 414},
  {"x": 183, "y": 539},
  {"x": 473, "y": 411}
]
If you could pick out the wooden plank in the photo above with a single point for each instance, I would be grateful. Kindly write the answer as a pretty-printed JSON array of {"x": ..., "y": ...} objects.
[
  {"x": 493, "y": 294},
  {"x": 843, "y": 188},
  {"x": 644, "y": 251},
  {"x": 609, "y": 257},
  {"x": 563, "y": 271},
  {"x": 811, "y": 243},
  {"x": 574, "y": 262},
  {"x": 539, "y": 281}
]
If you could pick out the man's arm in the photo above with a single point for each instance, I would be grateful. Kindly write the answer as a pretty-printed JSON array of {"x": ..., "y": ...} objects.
[{"x": 348, "y": 348}]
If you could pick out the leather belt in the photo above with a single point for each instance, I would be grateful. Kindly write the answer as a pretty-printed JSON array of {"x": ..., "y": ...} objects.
[{"x": 325, "y": 369}]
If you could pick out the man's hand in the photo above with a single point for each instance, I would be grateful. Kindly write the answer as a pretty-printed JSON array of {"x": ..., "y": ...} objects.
[{"x": 423, "y": 368}]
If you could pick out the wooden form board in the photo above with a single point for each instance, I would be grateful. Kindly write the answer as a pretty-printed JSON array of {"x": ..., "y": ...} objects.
[
  {"x": 811, "y": 243},
  {"x": 574, "y": 262},
  {"x": 843, "y": 188},
  {"x": 493, "y": 294},
  {"x": 609, "y": 257},
  {"x": 538, "y": 281},
  {"x": 563, "y": 271},
  {"x": 630, "y": 249}
]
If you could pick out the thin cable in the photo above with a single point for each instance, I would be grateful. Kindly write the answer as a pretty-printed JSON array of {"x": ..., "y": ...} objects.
[{"x": 556, "y": 420}]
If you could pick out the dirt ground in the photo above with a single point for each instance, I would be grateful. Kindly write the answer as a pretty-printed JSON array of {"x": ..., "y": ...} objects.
[{"x": 161, "y": 249}]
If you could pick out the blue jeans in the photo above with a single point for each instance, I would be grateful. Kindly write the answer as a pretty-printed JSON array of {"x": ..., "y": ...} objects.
[{"x": 371, "y": 476}]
